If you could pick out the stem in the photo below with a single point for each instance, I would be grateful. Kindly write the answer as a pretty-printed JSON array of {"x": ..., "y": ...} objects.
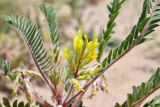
[
  {"x": 39, "y": 69},
  {"x": 76, "y": 104},
  {"x": 43, "y": 102},
  {"x": 35, "y": 94},
  {"x": 68, "y": 94}
]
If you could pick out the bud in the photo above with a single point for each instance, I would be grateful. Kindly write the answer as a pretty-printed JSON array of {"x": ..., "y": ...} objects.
[
  {"x": 67, "y": 54},
  {"x": 76, "y": 85},
  {"x": 96, "y": 71},
  {"x": 78, "y": 42},
  {"x": 84, "y": 77}
]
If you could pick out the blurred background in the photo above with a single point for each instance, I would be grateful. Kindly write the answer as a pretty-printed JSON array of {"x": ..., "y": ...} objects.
[{"x": 91, "y": 16}]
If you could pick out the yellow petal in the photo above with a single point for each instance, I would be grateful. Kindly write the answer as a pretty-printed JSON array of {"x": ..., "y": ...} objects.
[
  {"x": 86, "y": 38},
  {"x": 78, "y": 42},
  {"x": 67, "y": 54},
  {"x": 95, "y": 40},
  {"x": 91, "y": 56}
]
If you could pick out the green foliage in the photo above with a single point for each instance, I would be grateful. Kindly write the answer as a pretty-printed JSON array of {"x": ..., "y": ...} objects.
[
  {"x": 153, "y": 103},
  {"x": 69, "y": 73},
  {"x": 147, "y": 23},
  {"x": 84, "y": 53},
  {"x": 6, "y": 103},
  {"x": 5, "y": 65},
  {"x": 114, "y": 9},
  {"x": 50, "y": 15},
  {"x": 141, "y": 92},
  {"x": 32, "y": 37}
]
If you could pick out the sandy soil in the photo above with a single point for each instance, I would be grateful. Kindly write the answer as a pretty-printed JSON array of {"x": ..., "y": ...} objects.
[{"x": 134, "y": 68}]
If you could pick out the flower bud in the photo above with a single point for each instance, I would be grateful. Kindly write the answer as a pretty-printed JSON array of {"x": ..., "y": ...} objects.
[
  {"x": 76, "y": 85},
  {"x": 84, "y": 77}
]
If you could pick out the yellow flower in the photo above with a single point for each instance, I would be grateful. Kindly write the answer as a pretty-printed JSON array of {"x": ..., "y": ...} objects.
[
  {"x": 91, "y": 57},
  {"x": 86, "y": 38},
  {"x": 84, "y": 50},
  {"x": 67, "y": 54},
  {"x": 78, "y": 42},
  {"x": 92, "y": 45},
  {"x": 91, "y": 48},
  {"x": 76, "y": 85}
]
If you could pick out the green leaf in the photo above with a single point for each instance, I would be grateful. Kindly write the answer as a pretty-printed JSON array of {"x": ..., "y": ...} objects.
[
  {"x": 15, "y": 103},
  {"x": 104, "y": 63},
  {"x": 6, "y": 102},
  {"x": 6, "y": 67},
  {"x": 155, "y": 102},
  {"x": 69, "y": 73},
  {"x": 50, "y": 15},
  {"x": 114, "y": 9},
  {"x": 27, "y": 105},
  {"x": 21, "y": 104},
  {"x": 33, "y": 39},
  {"x": 147, "y": 23},
  {"x": 140, "y": 93}
]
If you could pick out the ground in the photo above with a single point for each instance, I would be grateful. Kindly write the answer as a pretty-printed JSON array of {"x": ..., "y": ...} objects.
[{"x": 134, "y": 68}]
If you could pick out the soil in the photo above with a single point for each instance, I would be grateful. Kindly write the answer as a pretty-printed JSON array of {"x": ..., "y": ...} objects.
[{"x": 136, "y": 67}]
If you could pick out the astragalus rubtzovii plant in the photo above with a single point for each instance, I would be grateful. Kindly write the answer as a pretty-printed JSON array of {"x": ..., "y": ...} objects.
[{"x": 68, "y": 83}]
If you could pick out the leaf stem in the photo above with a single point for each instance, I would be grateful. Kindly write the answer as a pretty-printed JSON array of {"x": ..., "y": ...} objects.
[
  {"x": 68, "y": 95},
  {"x": 39, "y": 69}
]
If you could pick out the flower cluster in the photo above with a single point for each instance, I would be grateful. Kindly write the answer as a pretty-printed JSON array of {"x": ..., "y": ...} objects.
[{"x": 84, "y": 52}]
